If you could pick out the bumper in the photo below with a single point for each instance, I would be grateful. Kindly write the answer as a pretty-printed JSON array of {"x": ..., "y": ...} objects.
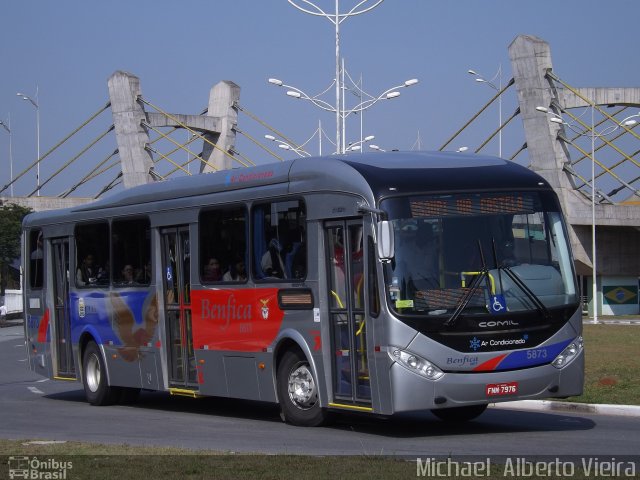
[{"x": 411, "y": 392}]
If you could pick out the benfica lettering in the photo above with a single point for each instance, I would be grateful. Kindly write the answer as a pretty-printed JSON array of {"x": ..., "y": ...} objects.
[{"x": 231, "y": 311}]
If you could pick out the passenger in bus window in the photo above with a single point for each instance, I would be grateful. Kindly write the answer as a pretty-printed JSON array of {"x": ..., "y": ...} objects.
[
  {"x": 127, "y": 277},
  {"x": 237, "y": 271},
  {"x": 272, "y": 263},
  {"x": 212, "y": 271},
  {"x": 37, "y": 253},
  {"x": 143, "y": 275},
  {"x": 87, "y": 273}
]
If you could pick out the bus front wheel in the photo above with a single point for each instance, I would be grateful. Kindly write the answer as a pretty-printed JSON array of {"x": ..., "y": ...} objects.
[
  {"x": 94, "y": 378},
  {"x": 298, "y": 391},
  {"x": 459, "y": 414}
]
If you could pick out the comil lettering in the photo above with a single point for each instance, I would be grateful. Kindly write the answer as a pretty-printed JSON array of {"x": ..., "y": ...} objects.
[{"x": 498, "y": 323}]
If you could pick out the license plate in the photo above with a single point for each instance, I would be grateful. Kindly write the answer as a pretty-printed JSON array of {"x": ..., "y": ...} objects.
[{"x": 497, "y": 389}]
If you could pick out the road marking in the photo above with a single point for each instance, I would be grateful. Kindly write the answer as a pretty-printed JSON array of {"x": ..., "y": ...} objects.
[
  {"x": 19, "y": 346},
  {"x": 35, "y": 390},
  {"x": 43, "y": 380},
  {"x": 45, "y": 442},
  {"x": 23, "y": 360}
]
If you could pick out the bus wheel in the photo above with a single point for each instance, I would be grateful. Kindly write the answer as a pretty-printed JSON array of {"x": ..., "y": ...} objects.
[
  {"x": 298, "y": 391},
  {"x": 94, "y": 378},
  {"x": 459, "y": 414}
]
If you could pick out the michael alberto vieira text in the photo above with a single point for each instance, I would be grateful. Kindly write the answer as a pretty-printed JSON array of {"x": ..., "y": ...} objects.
[{"x": 521, "y": 467}]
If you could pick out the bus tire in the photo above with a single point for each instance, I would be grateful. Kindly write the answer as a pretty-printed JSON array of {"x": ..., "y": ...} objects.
[
  {"x": 94, "y": 378},
  {"x": 459, "y": 414},
  {"x": 298, "y": 391}
]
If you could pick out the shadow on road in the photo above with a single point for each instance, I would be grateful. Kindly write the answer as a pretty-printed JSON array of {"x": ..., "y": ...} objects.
[
  {"x": 398, "y": 426},
  {"x": 492, "y": 421}
]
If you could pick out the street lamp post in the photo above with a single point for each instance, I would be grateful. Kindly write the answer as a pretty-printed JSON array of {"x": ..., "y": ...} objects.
[
  {"x": 490, "y": 84},
  {"x": 627, "y": 122},
  {"x": 336, "y": 19},
  {"x": 7, "y": 127},
  {"x": 36, "y": 104},
  {"x": 339, "y": 108}
]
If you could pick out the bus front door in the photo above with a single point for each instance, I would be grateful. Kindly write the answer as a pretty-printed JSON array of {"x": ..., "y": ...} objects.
[
  {"x": 65, "y": 367},
  {"x": 176, "y": 268},
  {"x": 345, "y": 268}
]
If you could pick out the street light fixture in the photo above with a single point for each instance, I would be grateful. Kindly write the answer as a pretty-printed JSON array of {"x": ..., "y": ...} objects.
[
  {"x": 342, "y": 111},
  {"x": 285, "y": 146},
  {"x": 7, "y": 127},
  {"x": 627, "y": 122},
  {"x": 490, "y": 83},
  {"x": 36, "y": 105},
  {"x": 357, "y": 146},
  {"x": 376, "y": 147}
]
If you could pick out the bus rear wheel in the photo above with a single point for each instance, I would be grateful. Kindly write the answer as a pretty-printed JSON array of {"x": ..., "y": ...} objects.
[
  {"x": 459, "y": 414},
  {"x": 298, "y": 391},
  {"x": 94, "y": 378}
]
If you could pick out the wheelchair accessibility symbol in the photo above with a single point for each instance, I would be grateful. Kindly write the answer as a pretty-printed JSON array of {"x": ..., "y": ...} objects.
[{"x": 498, "y": 304}]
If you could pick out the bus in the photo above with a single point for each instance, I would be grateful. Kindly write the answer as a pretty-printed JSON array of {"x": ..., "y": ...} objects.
[{"x": 373, "y": 282}]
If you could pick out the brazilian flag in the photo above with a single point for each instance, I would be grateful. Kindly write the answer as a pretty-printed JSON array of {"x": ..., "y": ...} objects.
[{"x": 620, "y": 295}]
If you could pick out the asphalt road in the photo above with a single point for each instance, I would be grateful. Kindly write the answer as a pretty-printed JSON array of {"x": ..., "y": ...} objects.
[{"x": 35, "y": 408}]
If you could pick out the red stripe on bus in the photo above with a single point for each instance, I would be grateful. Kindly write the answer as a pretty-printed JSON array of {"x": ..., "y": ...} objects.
[
  {"x": 44, "y": 326},
  {"x": 490, "y": 365}
]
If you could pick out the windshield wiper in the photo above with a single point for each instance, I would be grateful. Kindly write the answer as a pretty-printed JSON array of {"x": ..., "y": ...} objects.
[
  {"x": 518, "y": 281},
  {"x": 469, "y": 293},
  {"x": 528, "y": 292}
]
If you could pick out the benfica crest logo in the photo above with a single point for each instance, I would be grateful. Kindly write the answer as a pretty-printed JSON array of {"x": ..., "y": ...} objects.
[{"x": 265, "y": 308}]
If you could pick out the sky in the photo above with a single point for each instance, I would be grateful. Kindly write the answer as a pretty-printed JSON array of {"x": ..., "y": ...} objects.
[{"x": 67, "y": 50}]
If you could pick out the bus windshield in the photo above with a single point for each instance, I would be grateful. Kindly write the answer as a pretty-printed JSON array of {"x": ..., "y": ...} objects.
[{"x": 478, "y": 254}]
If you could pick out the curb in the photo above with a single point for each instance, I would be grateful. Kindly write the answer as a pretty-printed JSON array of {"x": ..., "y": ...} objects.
[
  {"x": 554, "y": 406},
  {"x": 10, "y": 323}
]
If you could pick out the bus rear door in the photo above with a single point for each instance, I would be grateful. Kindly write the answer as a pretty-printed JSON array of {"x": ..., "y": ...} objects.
[{"x": 65, "y": 367}]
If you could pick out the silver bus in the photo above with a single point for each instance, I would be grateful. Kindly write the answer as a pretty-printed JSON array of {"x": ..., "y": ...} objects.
[{"x": 376, "y": 283}]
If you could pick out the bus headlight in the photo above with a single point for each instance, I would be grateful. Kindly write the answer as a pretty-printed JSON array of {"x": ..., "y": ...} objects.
[
  {"x": 569, "y": 353},
  {"x": 416, "y": 364}
]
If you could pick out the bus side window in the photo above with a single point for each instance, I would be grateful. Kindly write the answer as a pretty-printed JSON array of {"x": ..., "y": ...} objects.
[
  {"x": 131, "y": 246},
  {"x": 223, "y": 245},
  {"x": 36, "y": 259},
  {"x": 92, "y": 255},
  {"x": 279, "y": 236}
]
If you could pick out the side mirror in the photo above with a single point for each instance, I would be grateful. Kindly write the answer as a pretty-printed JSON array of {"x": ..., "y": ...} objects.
[{"x": 385, "y": 244}]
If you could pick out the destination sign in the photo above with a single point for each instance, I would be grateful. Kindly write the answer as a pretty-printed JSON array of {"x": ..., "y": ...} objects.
[{"x": 477, "y": 204}]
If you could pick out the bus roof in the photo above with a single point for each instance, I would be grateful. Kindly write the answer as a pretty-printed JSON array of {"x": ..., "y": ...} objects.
[{"x": 372, "y": 175}]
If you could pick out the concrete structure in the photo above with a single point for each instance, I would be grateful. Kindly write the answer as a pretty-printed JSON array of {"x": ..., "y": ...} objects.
[
  {"x": 129, "y": 117},
  {"x": 618, "y": 226},
  {"x": 39, "y": 204},
  {"x": 131, "y": 135}
]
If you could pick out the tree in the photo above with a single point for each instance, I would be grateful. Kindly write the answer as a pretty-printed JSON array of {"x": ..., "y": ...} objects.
[{"x": 10, "y": 229}]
